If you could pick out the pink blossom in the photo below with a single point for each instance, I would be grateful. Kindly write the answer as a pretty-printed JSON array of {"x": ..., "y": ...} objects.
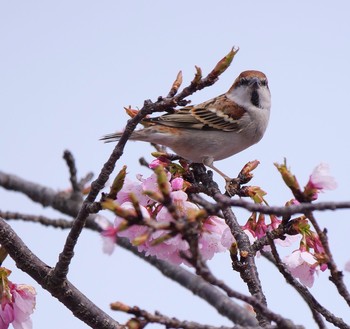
[
  {"x": 177, "y": 183},
  {"x": 109, "y": 239},
  {"x": 110, "y": 231},
  {"x": 135, "y": 230},
  {"x": 313, "y": 241},
  {"x": 170, "y": 248},
  {"x": 159, "y": 243},
  {"x": 139, "y": 188},
  {"x": 227, "y": 238},
  {"x": 160, "y": 161},
  {"x": 303, "y": 266},
  {"x": 288, "y": 241},
  {"x": 261, "y": 227},
  {"x": 180, "y": 197},
  {"x": 135, "y": 188},
  {"x": 321, "y": 179},
  {"x": 108, "y": 234},
  {"x": 17, "y": 303},
  {"x": 151, "y": 184},
  {"x": 210, "y": 240},
  {"x": 155, "y": 163}
]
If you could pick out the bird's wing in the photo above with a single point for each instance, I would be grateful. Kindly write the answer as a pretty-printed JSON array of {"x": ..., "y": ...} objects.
[{"x": 216, "y": 114}]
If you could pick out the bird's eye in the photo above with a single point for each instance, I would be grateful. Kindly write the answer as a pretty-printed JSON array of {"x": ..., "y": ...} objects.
[
  {"x": 244, "y": 82},
  {"x": 264, "y": 82}
]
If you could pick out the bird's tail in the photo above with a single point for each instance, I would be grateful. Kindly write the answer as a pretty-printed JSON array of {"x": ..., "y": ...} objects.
[{"x": 110, "y": 138}]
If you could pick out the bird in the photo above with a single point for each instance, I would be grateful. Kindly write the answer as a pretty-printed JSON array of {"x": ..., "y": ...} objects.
[{"x": 215, "y": 129}]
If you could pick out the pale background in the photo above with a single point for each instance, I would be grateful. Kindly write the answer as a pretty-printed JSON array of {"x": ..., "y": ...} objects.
[{"x": 67, "y": 69}]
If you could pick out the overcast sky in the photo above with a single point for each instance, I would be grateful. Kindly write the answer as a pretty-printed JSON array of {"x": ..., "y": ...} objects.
[{"x": 67, "y": 69}]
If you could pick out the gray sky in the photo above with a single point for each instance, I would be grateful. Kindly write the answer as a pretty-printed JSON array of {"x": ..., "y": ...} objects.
[{"x": 67, "y": 69}]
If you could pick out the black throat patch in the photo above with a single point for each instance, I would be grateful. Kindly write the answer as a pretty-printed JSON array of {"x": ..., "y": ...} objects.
[{"x": 255, "y": 99}]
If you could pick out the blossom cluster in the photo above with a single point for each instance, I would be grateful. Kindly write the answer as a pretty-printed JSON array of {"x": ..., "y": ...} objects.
[
  {"x": 158, "y": 242},
  {"x": 310, "y": 258},
  {"x": 153, "y": 236},
  {"x": 17, "y": 303}
]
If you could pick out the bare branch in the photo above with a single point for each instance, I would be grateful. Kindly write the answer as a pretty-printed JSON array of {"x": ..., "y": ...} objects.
[
  {"x": 66, "y": 293},
  {"x": 43, "y": 195},
  {"x": 68, "y": 157},
  {"x": 302, "y": 208},
  {"x": 57, "y": 223},
  {"x": 142, "y": 316}
]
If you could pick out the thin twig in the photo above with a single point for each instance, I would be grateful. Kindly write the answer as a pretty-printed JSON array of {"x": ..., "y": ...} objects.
[
  {"x": 301, "y": 208},
  {"x": 57, "y": 223},
  {"x": 336, "y": 275},
  {"x": 305, "y": 293},
  {"x": 68, "y": 157},
  {"x": 143, "y": 316},
  {"x": 86, "y": 179}
]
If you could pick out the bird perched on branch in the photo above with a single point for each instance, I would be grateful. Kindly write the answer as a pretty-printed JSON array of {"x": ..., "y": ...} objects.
[{"x": 216, "y": 129}]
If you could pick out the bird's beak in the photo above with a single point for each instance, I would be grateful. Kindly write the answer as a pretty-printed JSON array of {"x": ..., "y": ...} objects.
[{"x": 255, "y": 83}]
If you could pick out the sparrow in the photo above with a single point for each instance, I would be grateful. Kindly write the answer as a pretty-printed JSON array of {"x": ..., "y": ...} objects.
[{"x": 215, "y": 129}]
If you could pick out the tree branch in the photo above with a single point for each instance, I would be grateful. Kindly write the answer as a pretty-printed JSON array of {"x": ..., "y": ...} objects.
[
  {"x": 57, "y": 223},
  {"x": 142, "y": 316},
  {"x": 66, "y": 293},
  {"x": 43, "y": 195},
  {"x": 304, "y": 293},
  {"x": 301, "y": 208},
  {"x": 336, "y": 275}
]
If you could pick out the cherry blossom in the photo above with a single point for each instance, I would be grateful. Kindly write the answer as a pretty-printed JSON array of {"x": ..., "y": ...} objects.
[
  {"x": 302, "y": 265},
  {"x": 288, "y": 239},
  {"x": 160, "y": 161},
  {"x": 210, "y": 241},
  {"x": 158, "y": 242},
  {"x": 320, "y": 180},
  {"x": 109, "y": 239},
  {"x": 17, "y": 303}
]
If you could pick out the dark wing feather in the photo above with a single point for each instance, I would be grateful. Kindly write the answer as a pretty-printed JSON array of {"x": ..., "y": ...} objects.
[
  {"x": 227, "y": 118},
  {"x": 216, "y": 114},
  {"x": 182, "y": 118}
]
